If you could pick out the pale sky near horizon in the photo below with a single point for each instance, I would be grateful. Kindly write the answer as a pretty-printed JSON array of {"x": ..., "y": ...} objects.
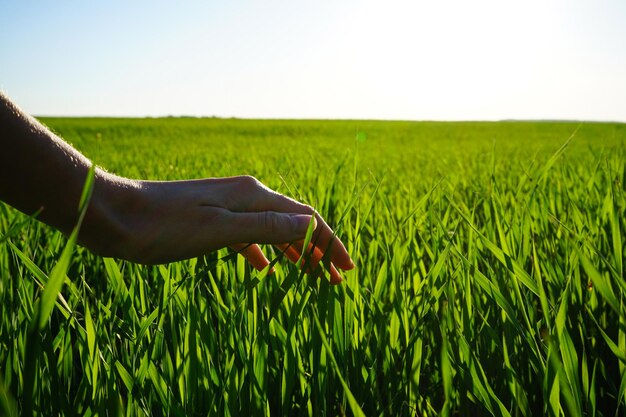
[{"x": 392, "y": 59}]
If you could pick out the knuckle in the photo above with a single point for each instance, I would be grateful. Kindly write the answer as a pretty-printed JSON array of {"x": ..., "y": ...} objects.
[
  {"x": 248, "y": 182},
  {"x": 239, "y": 195},
  {"x": 270, "y": 222}
]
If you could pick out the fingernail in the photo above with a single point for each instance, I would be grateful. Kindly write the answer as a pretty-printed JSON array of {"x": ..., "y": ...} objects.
[{"x": 301, "y": 222}]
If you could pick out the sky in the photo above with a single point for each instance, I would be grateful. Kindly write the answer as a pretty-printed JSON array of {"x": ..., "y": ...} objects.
[{"x": 391, "y": 59}]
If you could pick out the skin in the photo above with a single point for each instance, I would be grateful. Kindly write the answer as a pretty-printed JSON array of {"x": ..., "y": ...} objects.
[{"x": 154, "y": 222}]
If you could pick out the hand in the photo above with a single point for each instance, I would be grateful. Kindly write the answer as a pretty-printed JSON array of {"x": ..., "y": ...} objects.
[
  {"x": 153, "y": 222},
  {"x": 174, "y": 220}
]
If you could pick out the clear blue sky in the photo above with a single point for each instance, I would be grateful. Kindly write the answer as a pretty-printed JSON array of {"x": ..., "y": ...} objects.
[{"x": 443, "y": 60}]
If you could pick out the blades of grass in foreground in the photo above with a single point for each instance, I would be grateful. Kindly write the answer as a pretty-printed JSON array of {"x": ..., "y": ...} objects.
[
  {"x": 569, "y": 362},
  {"x": 619, "y": 354},
  {"x": 39, "y": 276},
  {"x": 307, "y": 239},
  {"x": 600, "y": 283},
  {"x": 446, "y": 371},
  {"x": 13, "y": 229},
  {"x": 352, "y": 403},
  {"x": 505, "y": 259},
  {"x": 8, "y": 407},
  {"x": 48, "y": 299},
  {"x": 281, "y": 292},
  {"x": 57, "y": 276}
]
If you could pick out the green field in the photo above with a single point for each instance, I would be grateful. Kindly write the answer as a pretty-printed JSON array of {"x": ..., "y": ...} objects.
[{"x": 489, "y": 279}]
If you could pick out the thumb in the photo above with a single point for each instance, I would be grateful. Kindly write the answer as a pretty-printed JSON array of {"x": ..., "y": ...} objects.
[{"x": 270, "y": 227}]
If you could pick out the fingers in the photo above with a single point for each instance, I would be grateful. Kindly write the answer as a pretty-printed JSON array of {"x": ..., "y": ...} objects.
[
  {"x": 325, "y": 239},
  {"x": 254, "y": 255},
  {"x": 315, "y": 255},
  {"x": 256, "y": 258},
  {"x": 335, "y": 277},
  {"x": 255, "y": 213},
  {"x": 294, "y": 251},
  {"x": 290, "y": 252},
  {"x": 259, "y": 198}
]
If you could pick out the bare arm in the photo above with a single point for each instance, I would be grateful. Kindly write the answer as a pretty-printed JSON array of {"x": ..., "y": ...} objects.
[
  {"x": 41, "y": 172},
  {"x": 150, "y": 221}
]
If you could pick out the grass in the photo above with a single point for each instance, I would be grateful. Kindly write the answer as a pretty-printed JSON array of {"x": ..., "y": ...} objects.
[{"x": 489, "y": 279}]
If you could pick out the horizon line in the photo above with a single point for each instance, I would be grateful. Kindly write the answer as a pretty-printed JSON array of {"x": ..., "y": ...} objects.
[{"x": 183, "y": 116}]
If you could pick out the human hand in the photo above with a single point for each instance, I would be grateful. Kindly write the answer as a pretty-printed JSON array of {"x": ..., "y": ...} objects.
[
  {"x": 153, "y": 222},
  {"x": 174, "y": 220}
]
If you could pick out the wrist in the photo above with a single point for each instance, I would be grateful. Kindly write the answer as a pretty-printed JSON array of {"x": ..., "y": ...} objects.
[{"x": 106, "y": 228}]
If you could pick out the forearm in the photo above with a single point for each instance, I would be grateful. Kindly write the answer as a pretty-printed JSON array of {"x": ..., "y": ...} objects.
[{"x": 40, "y": 173}]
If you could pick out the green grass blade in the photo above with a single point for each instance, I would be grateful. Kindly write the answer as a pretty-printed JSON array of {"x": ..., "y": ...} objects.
[
  {"x": 57, "y": 276},
  {"x": 352, "y": 402}
]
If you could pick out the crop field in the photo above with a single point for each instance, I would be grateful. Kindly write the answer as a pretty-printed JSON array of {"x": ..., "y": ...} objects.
[{"x": 489, "y": 278}]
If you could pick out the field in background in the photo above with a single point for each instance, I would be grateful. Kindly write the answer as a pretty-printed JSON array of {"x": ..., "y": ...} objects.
[{"x": 489, "y": 278}]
